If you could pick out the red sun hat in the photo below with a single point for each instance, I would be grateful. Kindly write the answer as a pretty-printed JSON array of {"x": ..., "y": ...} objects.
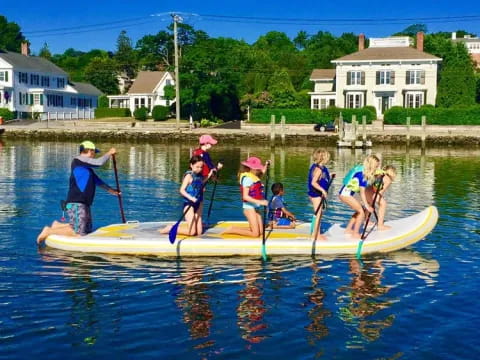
[
  {"x": 253, "y": 163},
  {"x": 207, "y": 139}
]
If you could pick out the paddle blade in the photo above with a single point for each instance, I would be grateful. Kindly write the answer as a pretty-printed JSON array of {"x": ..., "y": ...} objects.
[
  {"x": 264, "y": 253},
  {"x": 359, "y": 250},
  {"x": 172, "y": 234}
]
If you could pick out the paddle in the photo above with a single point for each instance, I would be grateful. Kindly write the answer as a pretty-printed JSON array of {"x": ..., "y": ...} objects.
[
  {"x": 118, "y": 189},
  {"x": 264, "y": 250},
  {"x": 363, "y": 237},
  {"x": 212, "y": 197},
  {"x": 317, "y": 218},
  {"x": 172, "y": 234}
]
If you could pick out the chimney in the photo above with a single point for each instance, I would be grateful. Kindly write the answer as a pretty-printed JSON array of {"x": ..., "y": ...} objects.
[
  {"x": 25, "y": 48},
  {"x": 454, "y": 35},
  {"x": 361, "y": 42},
  {"x": 420, "y": 36}
]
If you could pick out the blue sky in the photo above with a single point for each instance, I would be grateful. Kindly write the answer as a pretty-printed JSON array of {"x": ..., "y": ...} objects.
[{"x": 34, "y": 16}]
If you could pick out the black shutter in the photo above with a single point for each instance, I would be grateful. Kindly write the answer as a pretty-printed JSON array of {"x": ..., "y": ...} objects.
[
  {"x": 363, "y": 77},
  {"x": 407, "y": 78},
  {"x": 392, "y": 77},
  {"x": 349, "y": 76},
  {"x": 422, "y": 77},
  {"x": 377, "y": 75}
]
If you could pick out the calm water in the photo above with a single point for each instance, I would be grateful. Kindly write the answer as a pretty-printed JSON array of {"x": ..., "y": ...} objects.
[{"x": 420, "y": 303}]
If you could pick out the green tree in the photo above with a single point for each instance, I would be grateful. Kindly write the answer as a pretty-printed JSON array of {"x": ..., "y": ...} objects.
[
  {"x": 10, "y": 35},
  {"x": 102, "y": 72},
  {"x": 125, "y": 55},
  {"x": 45, "y": 52},
  {"x": 457, "y": 85},
  {"x": 412, "y": 30}
]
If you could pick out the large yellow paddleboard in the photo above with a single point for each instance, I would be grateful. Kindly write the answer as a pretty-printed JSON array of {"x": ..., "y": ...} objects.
[{"x": 145, "y": 239}]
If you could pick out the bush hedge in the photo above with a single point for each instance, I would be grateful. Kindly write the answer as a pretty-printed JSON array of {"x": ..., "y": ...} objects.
[
  {"x": 160, "y": 112},
  {"x": 141, "y": 113},
  {"x": 108, "y": 112},
  {"x": 7, "y": 114},
  {"x": 469, "y": 115},
  {"x": 309, "y": 116}
]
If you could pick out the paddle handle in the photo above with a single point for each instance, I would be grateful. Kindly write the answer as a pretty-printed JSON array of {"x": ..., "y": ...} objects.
[
  {"x": 120, "y": 202},
  {"x": 264, "y": 250},
  {"x": 317, "y": 219}
]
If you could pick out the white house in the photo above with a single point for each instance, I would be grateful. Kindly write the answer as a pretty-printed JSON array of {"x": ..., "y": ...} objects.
[
  {"x": 472, "y": 44},
  {"x": 388, "y": 73},
  {"x": 147, "y": 91},
  {"x": 34, "y": 85}
]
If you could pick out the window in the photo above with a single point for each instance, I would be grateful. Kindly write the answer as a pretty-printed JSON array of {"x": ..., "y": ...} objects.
[
  {"x": 315, "y": 103},
  {"x": 4, "y": 76},
  {"x": 354, "y": 101},
  {"x": 55, "y": 100},
  {"x": 36, "y": 99},
  {"x": 415, "y": 77},
  {"x": 385, "y": 77},
  {"x": 23, "y": 78},
  {"x": 45, "y": 81},
  {"x": 414, "y": 100},
  {"x": 136, "y": 103},
  {"x": 60, "y": 82},
  {"x": 323, "y": 103},
  {"x": 168, "y": 82},
  {"x": 355, "y": 77},
  {"x": 142, "y": 102}
]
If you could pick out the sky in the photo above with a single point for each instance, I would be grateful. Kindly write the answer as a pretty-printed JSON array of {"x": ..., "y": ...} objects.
[{"x": 79, "y": 19}]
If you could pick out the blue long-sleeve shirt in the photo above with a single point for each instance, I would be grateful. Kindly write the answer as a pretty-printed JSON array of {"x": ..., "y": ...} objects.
[{"x": 83, "y": 179}]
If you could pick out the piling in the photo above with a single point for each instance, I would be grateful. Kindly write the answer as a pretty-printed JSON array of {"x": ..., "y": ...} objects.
[
  {"x": 282, "y": 129},
  {"x": 272, "y": 129}
]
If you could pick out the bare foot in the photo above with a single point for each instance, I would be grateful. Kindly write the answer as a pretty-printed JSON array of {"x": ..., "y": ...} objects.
[
  {"x": 43, "y": 235},
  {"x": 55, "y": 224},
  {"x": 384, "y": 227},
  {"x": 165, "y": 230}
]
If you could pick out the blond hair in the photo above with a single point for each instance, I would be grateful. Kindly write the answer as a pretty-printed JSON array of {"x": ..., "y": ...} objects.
[
  {"x": 390, "y": 170},
  {"x": 321, "y": 156},
  {"x": 370, "y": 164}
]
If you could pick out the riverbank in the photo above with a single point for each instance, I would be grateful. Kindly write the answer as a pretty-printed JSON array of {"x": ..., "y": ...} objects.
[{"x": 246, "y": 133}]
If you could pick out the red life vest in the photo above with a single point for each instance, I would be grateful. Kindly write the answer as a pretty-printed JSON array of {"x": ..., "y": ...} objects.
[
  {"x": 205, "y": 169},
  {"x": 255, "y": 190}
]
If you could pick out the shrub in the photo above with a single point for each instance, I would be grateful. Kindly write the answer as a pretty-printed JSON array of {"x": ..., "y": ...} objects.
[
  {"x": 7, "y": 114},
  {"x": 103, "y": 101},
  {"x": 469, "y": 115},
  {"x": 309, "y": 116},
  {"x": 107, "y": 112},
  {"x": 141, "y": 113},
  {"x": 160, "y": 112}
]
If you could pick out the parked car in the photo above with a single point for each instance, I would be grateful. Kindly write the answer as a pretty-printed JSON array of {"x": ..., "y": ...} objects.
[{"x": 325, "y": 127}]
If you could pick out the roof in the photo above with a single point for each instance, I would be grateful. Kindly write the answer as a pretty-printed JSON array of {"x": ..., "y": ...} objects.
[
  {"x": 86, "y": 88},
  {"x": 146, "y": 82},
  {"x": 322, "y": 74},
  {"x": 34, "y": 63},
  {"x": 388, "y": 53},
  {"x": 467, "y": 40}
]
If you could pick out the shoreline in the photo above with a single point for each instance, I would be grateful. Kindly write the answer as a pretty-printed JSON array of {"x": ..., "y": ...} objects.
[{"x": 250, "y": 133}]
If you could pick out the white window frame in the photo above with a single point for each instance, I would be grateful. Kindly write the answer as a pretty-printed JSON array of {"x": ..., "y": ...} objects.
[
  {"x": 414, "y": 99},
  {"x": 415, "y": 77},
  {"x": 36, "y": 99},
  {"x": 354, "y": 100},
  {"x": 316, "y": 103},
  {"x": 2, "y": 75},
  {"x": 385, "y": 77},
  {"x": 323, "y": 103},
  {"x": 356, "y": 77}
]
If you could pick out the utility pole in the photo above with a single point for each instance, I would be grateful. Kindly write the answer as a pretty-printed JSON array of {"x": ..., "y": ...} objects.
[{"x": 176, "y": 19}]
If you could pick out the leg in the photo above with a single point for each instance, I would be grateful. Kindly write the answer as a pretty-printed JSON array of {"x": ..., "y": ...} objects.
[
  {"x": 65, "y": 230},
  {"x": 382, "y": 208},
  {"x": 357, "y": 218},
  {"x": 198, "y": 219},
  {"x": 190, "y": 229},
  {"x": 255, "y": 222}
]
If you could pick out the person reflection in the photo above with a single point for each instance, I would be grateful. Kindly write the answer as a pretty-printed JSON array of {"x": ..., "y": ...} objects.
[
  {"x": 366, "y": 299},
  {"x": 194, "y": 301},
  {"x": 317, "y": 314},
  {"x": 251, "y": 308}
]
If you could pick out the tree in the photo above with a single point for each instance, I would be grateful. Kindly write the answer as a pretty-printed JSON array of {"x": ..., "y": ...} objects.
[
  {"x": 102, "y": 72},
  {"x": 125, "y": 55},
  {"x": 45, "y": 52},
  {"x": 457, "y": 85},
  {"x": 11, "y": 37},
  {"x": 412, "y": 30}
]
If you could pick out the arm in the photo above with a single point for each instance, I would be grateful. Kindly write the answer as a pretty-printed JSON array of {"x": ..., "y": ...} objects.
[
  {"x": 99, "y": 182},
  {"x": 187, "y": 180},
  {"x": 288, "y": 213},
  {"x": 315, "y": 178},
  {"x": 89, "y": 162},
  {"x": 364, "y": 199},
  {"x": 208, "y": 160}
]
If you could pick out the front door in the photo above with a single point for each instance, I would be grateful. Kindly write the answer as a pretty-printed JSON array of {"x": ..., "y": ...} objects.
[{"x": 385, "y": 103}]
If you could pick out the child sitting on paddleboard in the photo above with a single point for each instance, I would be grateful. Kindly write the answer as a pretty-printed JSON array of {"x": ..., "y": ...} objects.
[
  {"x": 192, "y": 191},
  {"x": 206, "y": 143},
  {"x": 318, "y": 181},
  {"x": 356, "y": 180},
  {"x": 381, "y": 184},
  {"x": 278, "y": 215},
  {"x": 253, "y": 198}
]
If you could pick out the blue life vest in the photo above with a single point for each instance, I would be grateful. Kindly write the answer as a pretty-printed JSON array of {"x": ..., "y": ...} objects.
[
  {"x": 195, "y": 188},
  {"x": 323, "y": 180}
]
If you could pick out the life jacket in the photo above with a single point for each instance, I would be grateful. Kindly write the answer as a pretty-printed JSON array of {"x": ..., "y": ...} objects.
[
  {"x": 322, "y": 181},
  {"x": 195, "y": 188},
  {"x": 378, "y": 182},
  {"x": 275, "y": 213},
  {"x": 255, "y": 190},
  {"x": 350, "y": 181}
]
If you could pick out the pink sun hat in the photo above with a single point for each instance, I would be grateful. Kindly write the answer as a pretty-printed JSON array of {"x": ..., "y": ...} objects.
[
  {"x": 207, "y": 139},
  {"x": 253, "y": 163}
]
